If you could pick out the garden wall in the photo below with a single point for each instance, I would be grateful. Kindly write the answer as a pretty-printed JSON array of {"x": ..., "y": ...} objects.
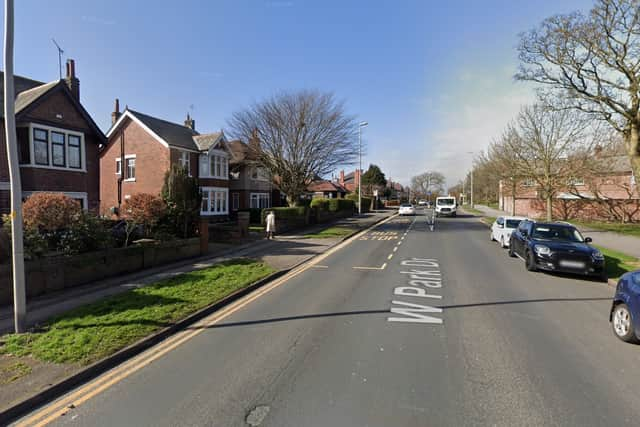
[{"x": 49, "y": 274}]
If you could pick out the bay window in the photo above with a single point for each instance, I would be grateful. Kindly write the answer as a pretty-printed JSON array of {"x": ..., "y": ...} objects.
[
  {"x": 214, "y": 201},
  {"x": 213, "y": 166},
  {"x": 259, "y": 201},
  {"x": 58, "y": 156},
  {"x": 75, "y": 152},
  {"x": 41, "y": 146}
]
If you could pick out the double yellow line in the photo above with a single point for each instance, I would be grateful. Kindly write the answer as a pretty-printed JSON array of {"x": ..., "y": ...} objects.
[{"x": 76, "y": 398}]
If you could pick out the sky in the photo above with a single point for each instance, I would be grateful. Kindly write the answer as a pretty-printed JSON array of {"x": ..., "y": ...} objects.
[{"x": 434, "y": 79}]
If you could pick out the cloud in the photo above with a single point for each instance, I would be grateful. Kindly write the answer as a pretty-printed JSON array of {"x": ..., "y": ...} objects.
[{"x": 472, "y": 110}]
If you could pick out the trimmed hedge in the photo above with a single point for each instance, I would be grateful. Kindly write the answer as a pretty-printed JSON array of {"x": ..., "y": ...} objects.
[
  {"x": 333, "y": 205},
  {"x": 286, "y": 213},
  {"x": 255, "y": 214}
]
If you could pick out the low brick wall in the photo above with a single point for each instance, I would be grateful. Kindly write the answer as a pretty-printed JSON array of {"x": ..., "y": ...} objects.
[{"x": 50, "y": 274}]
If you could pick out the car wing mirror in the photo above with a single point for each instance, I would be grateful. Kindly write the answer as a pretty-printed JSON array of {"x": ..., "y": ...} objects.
[{"x": 588, "y": 240}]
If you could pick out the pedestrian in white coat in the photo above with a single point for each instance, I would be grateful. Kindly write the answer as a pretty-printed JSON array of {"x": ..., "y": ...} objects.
[{"x": 271, "y": 224}]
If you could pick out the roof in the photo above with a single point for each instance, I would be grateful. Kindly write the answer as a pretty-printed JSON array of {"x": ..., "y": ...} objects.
[
  {"x": 324, "y": 186},
  {"x": 620, "y": 163},
  {"x": 20, "y": 85},
  {"x": 204, "y": 142},
  {"x": 172, "y": 133},
  {"x": 25, "y": 98}
]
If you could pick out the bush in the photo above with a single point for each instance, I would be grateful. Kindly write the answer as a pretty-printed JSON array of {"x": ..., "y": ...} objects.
[
  {"x": 49, "y": 212},
  {"x": 255, "y": 214},
  {"x": 320, "y": 204},
  {"x": 87, "y": 233},
  {"x": 146, "y": 210},
  {"x": 286, "y": 213},
  {"x": 340, "y": 205},
  {"x": 182, "y": 196},
  {"x": 305, "y": 202}
]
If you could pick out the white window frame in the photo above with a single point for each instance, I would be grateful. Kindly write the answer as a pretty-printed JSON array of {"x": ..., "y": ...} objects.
[
  {"x": 259, "y": 198},
  {"x": 83, "y": 152},
  {"x": 529, "y": 182},
  {"x": 119, "y": 165},
  {"x": 72, "y": 194},
  {"x": 215, "y": 195},
  {"x": 576, "y": 181},
  {"x": 259, "y": 173},
  {"x": 185, "y": 161},
  {"x": 214, "y": 158}
]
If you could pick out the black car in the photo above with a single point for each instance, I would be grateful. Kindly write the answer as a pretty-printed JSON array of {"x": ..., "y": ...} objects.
[{"x": 559, "y": 247}]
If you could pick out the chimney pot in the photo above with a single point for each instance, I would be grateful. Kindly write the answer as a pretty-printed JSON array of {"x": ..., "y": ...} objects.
[
  {"x": 190, "y": 123},
  {"x": 116, "y": 112},
  {"x": 71, "y": 79}
]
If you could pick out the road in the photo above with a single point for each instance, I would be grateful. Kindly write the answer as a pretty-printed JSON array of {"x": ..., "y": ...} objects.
[{"x": 493, "y": 345}]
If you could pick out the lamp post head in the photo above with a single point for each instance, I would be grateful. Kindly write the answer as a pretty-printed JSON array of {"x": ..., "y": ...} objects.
[{"x": 363, "y": 124}]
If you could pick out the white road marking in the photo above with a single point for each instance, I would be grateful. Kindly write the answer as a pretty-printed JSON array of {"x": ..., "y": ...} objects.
[{"x": 425, "y": 276}]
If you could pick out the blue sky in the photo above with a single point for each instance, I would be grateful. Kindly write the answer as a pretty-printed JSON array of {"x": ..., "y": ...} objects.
[{"x": 432, "y": 78}]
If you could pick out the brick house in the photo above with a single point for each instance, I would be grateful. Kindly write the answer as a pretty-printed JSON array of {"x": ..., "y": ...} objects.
[
  {"x": 58, "y": 141},
  {"x": 350, "y": 181},
  {"x": 327, "y": 189},
  {"x": 141, "y": 149},
  {"x": 613, "y": 195},
  {"x": 250, "y": 183}
]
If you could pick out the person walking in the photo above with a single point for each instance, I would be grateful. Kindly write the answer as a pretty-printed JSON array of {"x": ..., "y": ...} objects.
[{"x": 271, "y": 224}]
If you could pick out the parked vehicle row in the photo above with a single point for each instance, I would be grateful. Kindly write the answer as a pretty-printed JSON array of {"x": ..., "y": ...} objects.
[{"x": 560, "y": 247}]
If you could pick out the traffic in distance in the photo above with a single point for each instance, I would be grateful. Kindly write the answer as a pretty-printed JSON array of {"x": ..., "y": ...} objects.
[{"x": 555, "y": 247}]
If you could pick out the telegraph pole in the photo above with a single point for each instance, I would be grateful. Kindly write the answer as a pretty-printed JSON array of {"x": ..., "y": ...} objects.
[{"x": 17, "y": 244}]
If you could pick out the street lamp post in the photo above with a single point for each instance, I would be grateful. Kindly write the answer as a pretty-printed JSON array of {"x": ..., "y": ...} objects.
[{"x": 360, "y": 126}]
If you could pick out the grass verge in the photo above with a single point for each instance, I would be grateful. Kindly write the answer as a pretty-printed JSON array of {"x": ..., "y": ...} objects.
[
  {"x": 626, "y": 229},
  {"x": 618, "y": 263},
  {"x": 330, "y": 232},
  {"x": 257, "y": 228},
  {"x": 473, "y": 211},
  {"x": 97, "y": 330}
]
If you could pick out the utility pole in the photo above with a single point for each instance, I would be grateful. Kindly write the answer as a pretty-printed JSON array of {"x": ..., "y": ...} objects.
[
  {"x": 360, "y": 126},
  {"x": 473, "y": 165},
  {"x": 17, "y": 244}
]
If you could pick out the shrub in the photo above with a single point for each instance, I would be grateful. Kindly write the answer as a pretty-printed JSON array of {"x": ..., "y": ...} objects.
[
  {"x": 35, "y": 243},
  {"x": 286, "y": 213},
  {"x": 50, "y": 212},
  {"x": 321, "y": 204},
  {"x": 182, "y": 196},
  {"x": 144, "y": 209},
  {"x": 255, "y": 214},
  {"x": 87, "y": 233}
]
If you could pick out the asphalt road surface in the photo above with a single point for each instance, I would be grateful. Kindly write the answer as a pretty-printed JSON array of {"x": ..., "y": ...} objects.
[{"x": 402, "y": 327}]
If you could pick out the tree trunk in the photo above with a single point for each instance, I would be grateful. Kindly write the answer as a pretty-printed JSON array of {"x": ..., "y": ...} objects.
[
  {"x": 549, "y": 207},
  {"x": 633, "y": 150}
]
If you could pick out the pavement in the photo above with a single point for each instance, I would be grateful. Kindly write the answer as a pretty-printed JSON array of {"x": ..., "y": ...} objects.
[
  {"x": 401, "y": 326},
  {"x": 619, "y": 242},
  {"x": 283, "y": 252}
]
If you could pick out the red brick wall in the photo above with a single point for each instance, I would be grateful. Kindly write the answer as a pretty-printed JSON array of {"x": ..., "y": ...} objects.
[
  {"x": 152, "y": 162},
  {"x": 41, "y": 179}
]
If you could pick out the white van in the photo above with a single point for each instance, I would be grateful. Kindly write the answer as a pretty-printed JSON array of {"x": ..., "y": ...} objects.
[{"x": 446, "y": 206}]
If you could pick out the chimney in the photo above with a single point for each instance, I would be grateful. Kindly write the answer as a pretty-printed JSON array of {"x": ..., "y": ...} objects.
[
  {"x": 190, "y": 123},
  {"x": 254, "y": 143},
  {"x": 71, "y": 79},
  {"x": 342, "y": 178},
  {"x": 116, "y": 112}
]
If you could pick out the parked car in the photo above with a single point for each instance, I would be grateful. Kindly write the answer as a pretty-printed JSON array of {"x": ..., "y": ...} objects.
[
  {"x": 406, "y": 209},
  {"x": 422, "y": 203},
  {"x": 554, "y": 246},
  {"x": 625, "y": 309},
  {"x": 502, "y": 228}
]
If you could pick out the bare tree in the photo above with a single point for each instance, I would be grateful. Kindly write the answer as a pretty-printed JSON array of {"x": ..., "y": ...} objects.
[
  {"x": 301, "y": 135},
  {"x": 503, "y": 163},
  {"x": 551, "y": 147},
  {"x": 428, "y": 182},
  {"x": 593, "y": 62}
]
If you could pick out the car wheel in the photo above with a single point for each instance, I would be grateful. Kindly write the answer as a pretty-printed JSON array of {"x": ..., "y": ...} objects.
[
  {"x": 454, "y": 215},
  {"x": 502, "y": 245},
  {"x": 530, "y": 262},
  {"x": 603, "y": 277},
  {"x": 622, "y": 324},
  {"x": 512, "y": 254}
]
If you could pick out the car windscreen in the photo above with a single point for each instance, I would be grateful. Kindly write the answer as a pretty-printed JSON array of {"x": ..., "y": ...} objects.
[
  {"x": 445, "y": 202},
  {"x": 406, "y": 206},
  {"x": 551, "y": 232},
  {"x": 513, "y": 223}
]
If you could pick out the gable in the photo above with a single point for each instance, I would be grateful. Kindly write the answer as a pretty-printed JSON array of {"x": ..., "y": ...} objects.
[{"x": 57, "y": 107}]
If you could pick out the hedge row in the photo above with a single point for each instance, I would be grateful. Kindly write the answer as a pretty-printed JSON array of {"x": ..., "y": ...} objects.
[
  {"x": 255, "y": 214},
  {"x": 333, "y": 205},
  {"x": 285, "y": 213}
]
